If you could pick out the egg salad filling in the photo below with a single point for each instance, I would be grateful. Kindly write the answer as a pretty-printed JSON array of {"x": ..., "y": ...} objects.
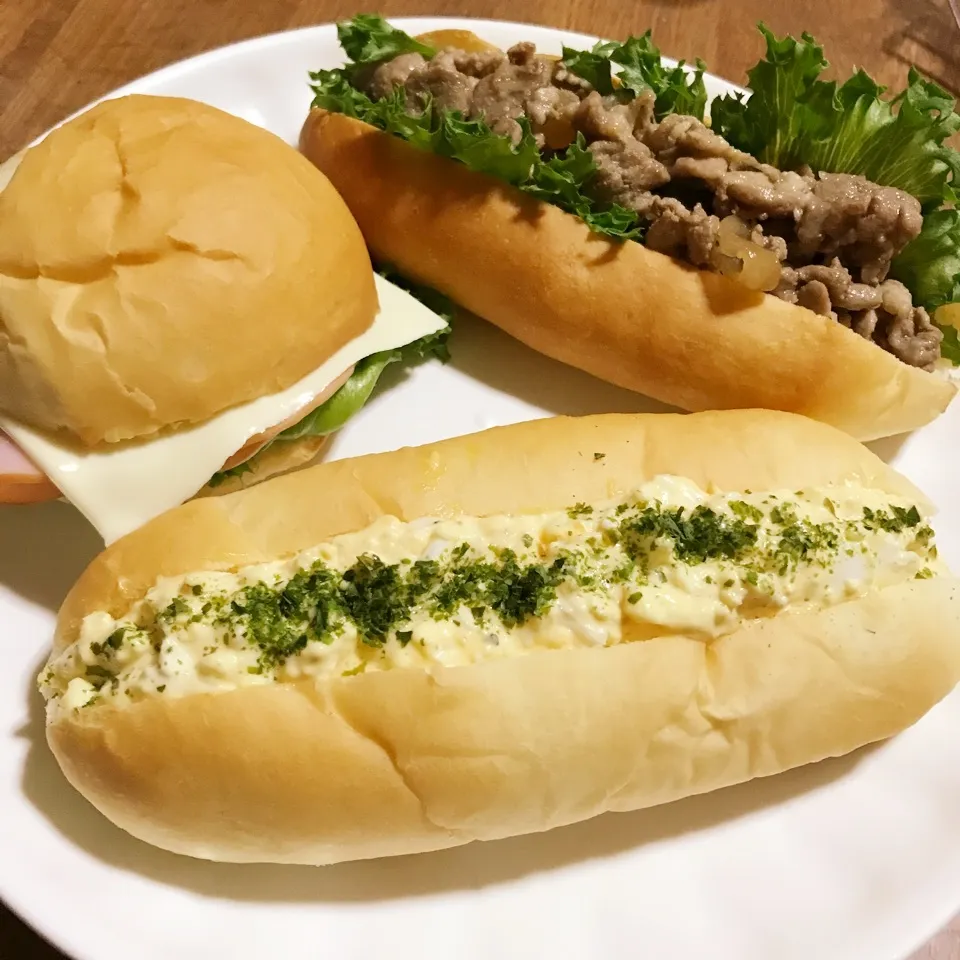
[{"x": 669, "y": 558}]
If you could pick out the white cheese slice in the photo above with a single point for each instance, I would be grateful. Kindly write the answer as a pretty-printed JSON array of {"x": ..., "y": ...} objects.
[
  {"x": 121, "y": 487},
  {"x": 9, "y": 167}
]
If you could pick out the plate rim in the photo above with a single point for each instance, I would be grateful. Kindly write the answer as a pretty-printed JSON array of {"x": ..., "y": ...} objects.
[
  {"x": 177, "y": 68},
  {"x": 184, "y": 64}
]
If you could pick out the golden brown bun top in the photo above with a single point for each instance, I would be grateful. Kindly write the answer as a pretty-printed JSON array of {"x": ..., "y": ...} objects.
[{"x": 160, "y": 261}]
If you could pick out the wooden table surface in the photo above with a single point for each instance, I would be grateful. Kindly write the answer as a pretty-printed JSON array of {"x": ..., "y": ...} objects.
[{"x": 56, "y": 55}]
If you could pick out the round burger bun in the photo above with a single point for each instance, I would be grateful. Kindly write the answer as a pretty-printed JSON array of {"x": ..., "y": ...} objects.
[
  {"x": 619, "y": 311},
  {"x": 161, "y": 261}
]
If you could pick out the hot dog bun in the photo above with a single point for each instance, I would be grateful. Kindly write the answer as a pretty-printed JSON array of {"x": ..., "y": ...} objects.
[
  {"x": 162, "y": 261},
  {"x": 408, "y": 760},
  {"x": 624, "y": 313}
]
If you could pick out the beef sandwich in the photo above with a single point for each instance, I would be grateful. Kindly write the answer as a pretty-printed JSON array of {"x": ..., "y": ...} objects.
[
  {"x": 796, "y": 249},
  {"x": 186, "y": 305}
]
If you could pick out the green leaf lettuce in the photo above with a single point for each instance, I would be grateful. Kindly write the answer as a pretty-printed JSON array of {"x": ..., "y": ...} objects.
[
  {"x": 641, "y": 67},
  {"x": 368, "y": 38},
  {"x": 930, "y": 265},
  {"x": 560, "y": 178},
  {"x": 793, "y": 118}
]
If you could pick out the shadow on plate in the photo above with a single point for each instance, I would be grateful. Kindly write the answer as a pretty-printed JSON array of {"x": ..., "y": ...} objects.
[
  {"x": 474, "y": 866},
  {"x": 44, "y": 548},
  {"x": 888, "y": 447},
  {"x": 487, "y": 354}
]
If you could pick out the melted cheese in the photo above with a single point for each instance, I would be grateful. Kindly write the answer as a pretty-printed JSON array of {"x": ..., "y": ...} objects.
[
  {"x": 602, "y": 599},
  {"x": 123, "y": 486}
]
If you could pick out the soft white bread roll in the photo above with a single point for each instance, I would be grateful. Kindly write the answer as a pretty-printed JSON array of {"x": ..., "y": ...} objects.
[
  {"x": 405, "y": 760},
  {"x": 626, "y": 314},
  {"x": 162, "y": 261}
]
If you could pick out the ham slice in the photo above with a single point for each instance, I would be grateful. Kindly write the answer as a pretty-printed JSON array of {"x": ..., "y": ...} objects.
[
  {"x": 257, "y": 442},
  {"x": 22, "y": 481}
]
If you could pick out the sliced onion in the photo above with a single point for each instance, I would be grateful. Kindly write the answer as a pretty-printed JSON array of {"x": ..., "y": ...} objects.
[
  {"x": 728, "y": 266},
  {"x": 759, "y": 267},
  {"x": 732, "y": 228},
  {"x": 558, "y": 133}
]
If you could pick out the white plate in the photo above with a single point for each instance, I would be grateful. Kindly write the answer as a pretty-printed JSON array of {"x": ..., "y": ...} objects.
[{"x": 857, "y": 859}]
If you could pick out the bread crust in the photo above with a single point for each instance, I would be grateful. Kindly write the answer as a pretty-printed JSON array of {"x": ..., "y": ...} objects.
[
  {"x": 626, "y": 314},
  {"x": 405, "y": 761},
  {"x": 279, "y": 457},
  {"x": 202, "y": 263}
]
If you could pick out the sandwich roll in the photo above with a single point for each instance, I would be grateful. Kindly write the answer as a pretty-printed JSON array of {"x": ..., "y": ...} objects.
[
  {"x": 186, "y": 306},
  {"x": 620, "y": 311},
  {"x": 220, "y": 217},
  {"x": 499, "y": 634}
]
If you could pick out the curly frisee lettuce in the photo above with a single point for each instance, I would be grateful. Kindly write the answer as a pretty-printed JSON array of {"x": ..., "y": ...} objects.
[
  {"x": 792, "y": 120},
  {"x": 560, "y": 178}
]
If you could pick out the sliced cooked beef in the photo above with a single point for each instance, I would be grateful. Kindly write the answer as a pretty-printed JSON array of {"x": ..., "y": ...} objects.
[
  {"x": 644, "y": 119},
  {"x": 394, "y": 73},
  {"x": 668, "y": 233},
  {"x": 476, "y": 63},
  {"x": 896, "y": 298},
  {"x": 568, "y": 80},
  {"x": 865, "y": 323},
  {"x": 763, "y": 194},
  {"x": 867, "y": 223},
  {"x": 679, "y": 135},
  {"x": 551, "y": 112},
  {"x": 711, "y": 170},
  {"x": 603, "y": 118},
  {"x": 909, "y": 333},
  {"x": 914, "y": 338},
  {"x": 441, "y": 81},
  {"x": 702, "y": 229},
  {"x": 626, "y": 172},
  {"x": 678, "y": 232},
  {"x": 787, "y": 288},
  {"x": 833, "y": 235},
  {"x": 844, "y": 292},
  {"x": 769, "y": 241},
  {"x": 501, "y": 97},
  {"x": 448, "y": 78},
  {"x": 815, "y": 296},
  {"x": 884, "y": 313}
]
